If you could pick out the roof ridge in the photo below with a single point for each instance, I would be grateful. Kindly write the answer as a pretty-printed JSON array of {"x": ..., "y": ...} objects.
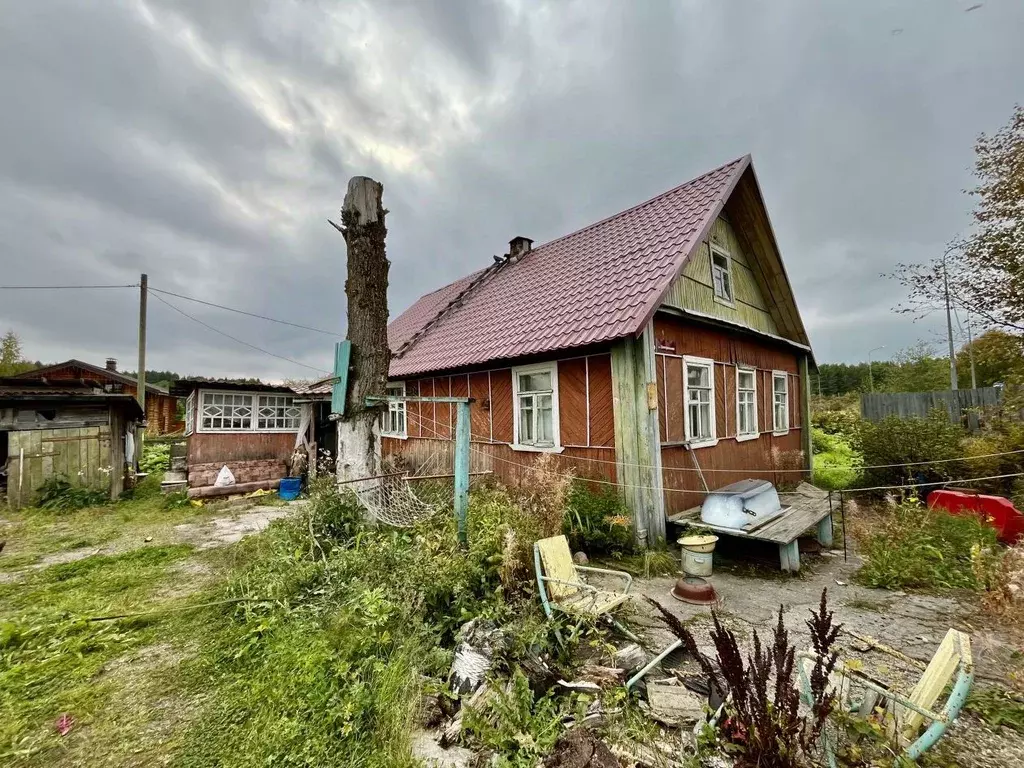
[{"x": 632, "y": 208}]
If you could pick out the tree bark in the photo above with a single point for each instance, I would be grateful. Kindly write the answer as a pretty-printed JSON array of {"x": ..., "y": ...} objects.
[{"x": 366, "y": 289}]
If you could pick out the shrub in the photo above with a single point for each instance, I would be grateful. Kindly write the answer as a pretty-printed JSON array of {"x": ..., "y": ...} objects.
[
  {"x": 916, "y": 547},
  {"x": 156, "y": 457},
  {"x": 836, "y": 415},
  {"x": 59, "y": 495},
  {"x": 836, "y": 463},
  {"x": 896, "y": 441},
  {"x": 597, "y": 522}
]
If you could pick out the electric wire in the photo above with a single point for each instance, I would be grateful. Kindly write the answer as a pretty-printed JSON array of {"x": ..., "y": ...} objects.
[{"x": 238, "y": 340}]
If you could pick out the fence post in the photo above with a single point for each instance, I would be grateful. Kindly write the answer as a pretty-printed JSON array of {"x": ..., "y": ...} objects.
[{"x": 462, "y": 470}]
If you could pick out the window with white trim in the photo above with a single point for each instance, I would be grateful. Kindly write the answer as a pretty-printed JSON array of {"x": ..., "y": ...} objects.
[
  {"x": 746, "y": 403},
  {"x": 276, "y": 413},
  {"x": 535, "y": 392},
  {"x": 780, "y": 401},
  {"x": 190, "y": 413},
  {"x": 699, "y": 395},
  {"x": 721, "y": 274},
  {"x": 392, "y": 421},
  {"x": 246, "y": 412}
]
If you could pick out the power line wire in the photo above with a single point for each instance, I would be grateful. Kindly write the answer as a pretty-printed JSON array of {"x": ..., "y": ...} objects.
[
  {"x": 236, "y": 339},
  {"x": 61, "y": 287},
  {"x": 243, "y": 312}
]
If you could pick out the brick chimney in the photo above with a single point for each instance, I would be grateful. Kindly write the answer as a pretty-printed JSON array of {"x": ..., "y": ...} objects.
[
  {"x": 112, "y": 364},
  {"x": 518, "y": 247}
]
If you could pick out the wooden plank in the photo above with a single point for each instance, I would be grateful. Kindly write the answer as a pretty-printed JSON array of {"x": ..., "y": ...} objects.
[{"x": 934, "y": 680}]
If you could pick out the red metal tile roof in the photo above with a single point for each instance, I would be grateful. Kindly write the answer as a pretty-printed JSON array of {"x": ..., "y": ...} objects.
[{"x": 595, "y": 285}]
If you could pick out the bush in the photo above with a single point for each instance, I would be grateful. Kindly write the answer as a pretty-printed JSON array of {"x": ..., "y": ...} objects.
[
  {"x": 838, "y": 415},
  {"x": 156, "y": 457},
  {"x": 597, "y": 522},
  {"x": 836, "y": 463},
  {"x": 59, "y": 495},
  {"x": 896, "y": 441},
  {"x": 917, "y": 547}
]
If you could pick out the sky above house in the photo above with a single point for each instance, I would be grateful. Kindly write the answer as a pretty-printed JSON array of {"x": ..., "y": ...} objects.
[{"x": 207, "y": 144}]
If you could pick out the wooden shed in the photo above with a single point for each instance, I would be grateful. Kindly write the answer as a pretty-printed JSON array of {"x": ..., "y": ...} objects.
[{"x": 62, "y": 429}]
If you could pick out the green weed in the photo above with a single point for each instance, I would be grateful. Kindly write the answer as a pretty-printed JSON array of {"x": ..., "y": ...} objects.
[
  {"x": 915, "y": 547},
  {"x": 998, "y": 707},
  {"x": 597, "y": 522}
]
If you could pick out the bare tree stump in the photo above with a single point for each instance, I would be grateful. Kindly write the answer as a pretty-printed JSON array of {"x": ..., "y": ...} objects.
[{"x": 366, "y": 289}]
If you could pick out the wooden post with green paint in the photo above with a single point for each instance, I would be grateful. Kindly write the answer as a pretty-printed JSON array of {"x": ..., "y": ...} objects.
[
  {"x": 462, "y": 470},
  {"x": 637, "y": 434}
]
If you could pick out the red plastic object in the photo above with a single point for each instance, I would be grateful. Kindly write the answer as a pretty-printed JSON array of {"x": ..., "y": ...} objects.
[{"x": 999, "y": 512}]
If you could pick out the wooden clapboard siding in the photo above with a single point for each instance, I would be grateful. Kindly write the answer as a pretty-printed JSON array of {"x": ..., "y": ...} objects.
[
  {"x": 501, "y": 405},
  {"x": 480, "y": 408},
  {"x": 693, "y": 288},
  {"x": 572, "y": 401},
  {"x": 602, "y": 420},
  {"x": 758, "y": 457},
  {"x": 503, "y": 462},
  {"x": 226, "y": 447}
]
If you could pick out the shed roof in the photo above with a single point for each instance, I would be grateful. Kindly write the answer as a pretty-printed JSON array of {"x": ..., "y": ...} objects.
[
  {"x": 105, "y": 373},
  {"x": 185, "y": 387},
  {"x": 595, "y": 285},
  {"x": 16, "y": 389}
]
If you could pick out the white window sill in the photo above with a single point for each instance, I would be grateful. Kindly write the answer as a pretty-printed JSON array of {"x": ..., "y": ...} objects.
[
  {"x": 725, "y": 302},
  {"x": 780, "y": 432},
  {"x": 536, "y": 448},
  {"x": 744, "y": 438},
  {"x": 395, "y": 436},
  {"x": 706, "y": 443},
  {"x": 246, "y": 431}
]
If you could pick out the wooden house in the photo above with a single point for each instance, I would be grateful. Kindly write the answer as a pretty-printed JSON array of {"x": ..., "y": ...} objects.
[
  {"x": 252, "y": 429},
  {"x": 659, "y": 351},
  {"x": 63, "y": 429},
  {"x": 161, "y": 406}
]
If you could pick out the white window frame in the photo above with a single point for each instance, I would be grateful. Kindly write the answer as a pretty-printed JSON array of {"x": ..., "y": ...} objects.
[
  {"x": 394, "y": 408},
  {"x": 190, "y": 413},
  {"x": 254, "y": 404},
  {"x": 714, "y": 250},
  {"x": 556, "y": 434},
  {"x": 288, "y": 404},
  {"x": 776, "y": 429},
  {"x": 741, "y": 436},
  {"x": 712, "y": 439}
]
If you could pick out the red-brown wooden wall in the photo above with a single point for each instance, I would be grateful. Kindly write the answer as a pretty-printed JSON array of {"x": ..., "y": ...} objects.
[{"x": 730, "y": 459}]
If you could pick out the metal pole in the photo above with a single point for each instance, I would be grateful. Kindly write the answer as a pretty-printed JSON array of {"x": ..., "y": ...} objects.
[
  {"x": 871, "y": 373},
  {"x": 949, "y": 326},
  {"x": 462, "y": 471},
  {"x": 140, "y": 431},
  {"x": 970, "y": 352},
  {"x": 842, "y": 516}
]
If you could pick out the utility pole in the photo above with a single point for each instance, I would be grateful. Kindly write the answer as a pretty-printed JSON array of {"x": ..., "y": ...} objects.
[
  {"x": 949, "y": 325},
  {"x": 970, "y": 352},
  {"x": 140, "y": 395}
]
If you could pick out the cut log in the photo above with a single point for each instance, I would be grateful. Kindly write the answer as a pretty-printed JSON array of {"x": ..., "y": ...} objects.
[{"x": 211, "y": 491}]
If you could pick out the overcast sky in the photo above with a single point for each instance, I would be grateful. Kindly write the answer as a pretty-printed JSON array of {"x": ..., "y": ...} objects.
[{"x": 206, "y": 143}]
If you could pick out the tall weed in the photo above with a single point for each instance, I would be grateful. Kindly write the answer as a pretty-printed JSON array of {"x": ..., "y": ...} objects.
[{"x": 911, "y": 546}]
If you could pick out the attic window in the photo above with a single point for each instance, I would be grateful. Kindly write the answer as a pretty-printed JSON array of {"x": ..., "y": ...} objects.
[{"x": 721, "y": 274}]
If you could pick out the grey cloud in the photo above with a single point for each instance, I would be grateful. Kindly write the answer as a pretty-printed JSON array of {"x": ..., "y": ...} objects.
[{"x": 208, "y": 142}]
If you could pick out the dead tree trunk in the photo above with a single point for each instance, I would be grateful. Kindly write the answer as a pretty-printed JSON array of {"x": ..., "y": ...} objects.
[{"x": 366, "y": 289}]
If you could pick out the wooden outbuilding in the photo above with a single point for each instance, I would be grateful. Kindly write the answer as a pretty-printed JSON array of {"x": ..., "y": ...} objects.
[
  {"x": 74, "y": 430},
  {"x": 161, "y": 406}
]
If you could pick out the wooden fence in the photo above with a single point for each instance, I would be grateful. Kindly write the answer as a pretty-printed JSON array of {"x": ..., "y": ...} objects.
[{"x": 969, "y": 407}]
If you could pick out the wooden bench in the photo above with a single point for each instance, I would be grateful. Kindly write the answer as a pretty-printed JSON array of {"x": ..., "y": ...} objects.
[{"x": 806, "y": 507}]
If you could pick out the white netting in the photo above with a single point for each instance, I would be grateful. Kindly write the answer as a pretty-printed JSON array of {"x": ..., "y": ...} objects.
[{"x": 390, "y": 500}]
